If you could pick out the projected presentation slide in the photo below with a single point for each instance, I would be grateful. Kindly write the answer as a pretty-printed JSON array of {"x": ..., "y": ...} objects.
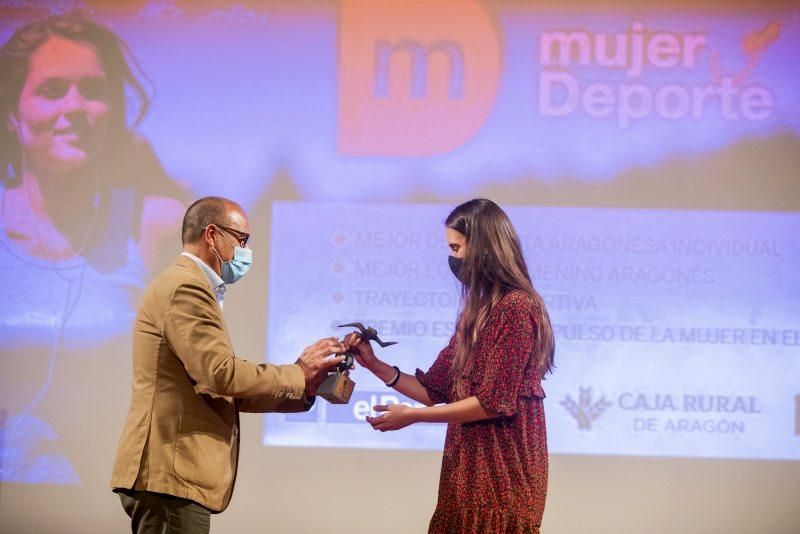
[
  {"x": 648, "y": 157},
  {"x": 677, "y": 332}
]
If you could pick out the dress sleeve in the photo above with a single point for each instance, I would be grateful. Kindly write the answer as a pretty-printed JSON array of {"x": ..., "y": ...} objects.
[
  {"x": 437, "y": 381},
  {"x": 505, "y": 358}
]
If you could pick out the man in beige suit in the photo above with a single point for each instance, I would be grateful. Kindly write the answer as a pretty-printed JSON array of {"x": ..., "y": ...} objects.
[{"x": 177, "y": 457}]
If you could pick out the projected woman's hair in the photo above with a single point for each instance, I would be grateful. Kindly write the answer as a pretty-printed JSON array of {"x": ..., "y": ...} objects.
[{"x": 86, "y": 209}]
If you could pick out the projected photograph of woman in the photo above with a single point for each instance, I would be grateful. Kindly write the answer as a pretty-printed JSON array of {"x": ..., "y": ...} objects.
[
  {"x": 86, "y": 211},
  {"x": 486, "y": 384}
]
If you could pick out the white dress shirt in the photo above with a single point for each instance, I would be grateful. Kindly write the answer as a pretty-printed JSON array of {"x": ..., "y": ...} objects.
[{"x": 216, "y": 283}]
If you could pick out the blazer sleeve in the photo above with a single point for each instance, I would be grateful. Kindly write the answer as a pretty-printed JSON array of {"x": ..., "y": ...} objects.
[
  {"x": 193, "y": 329},
  {"x": 269, "y": 404}
]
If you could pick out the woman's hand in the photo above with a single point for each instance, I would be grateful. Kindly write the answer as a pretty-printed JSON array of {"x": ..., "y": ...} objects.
[
  {"x": 394, "y": 417},
  {"x": 361, "y": 350}
]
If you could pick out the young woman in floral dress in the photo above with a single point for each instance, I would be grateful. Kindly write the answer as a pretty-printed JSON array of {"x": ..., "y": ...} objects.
[{"x": 485, "y": 384}]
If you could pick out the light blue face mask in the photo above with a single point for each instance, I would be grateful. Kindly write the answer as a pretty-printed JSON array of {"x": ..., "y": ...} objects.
[{"x": 238, "y": 266}]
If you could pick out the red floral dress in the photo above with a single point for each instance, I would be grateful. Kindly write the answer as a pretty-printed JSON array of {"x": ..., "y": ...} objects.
[{"x": 494, "y": 472}]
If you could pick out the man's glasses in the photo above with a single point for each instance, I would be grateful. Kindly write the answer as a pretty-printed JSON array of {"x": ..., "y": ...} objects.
[{"x": 241, "y": 237}]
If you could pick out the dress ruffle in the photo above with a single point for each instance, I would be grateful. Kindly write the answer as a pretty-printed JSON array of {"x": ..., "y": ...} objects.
[{"x": 471, "y": 521}]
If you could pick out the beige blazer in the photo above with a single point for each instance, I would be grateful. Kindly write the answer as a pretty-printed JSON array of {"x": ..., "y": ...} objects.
[{"x": 181, "y": 436}]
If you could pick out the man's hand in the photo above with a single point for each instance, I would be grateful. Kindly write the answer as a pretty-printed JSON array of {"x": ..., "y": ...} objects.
[{"x": 315, "y": 361}]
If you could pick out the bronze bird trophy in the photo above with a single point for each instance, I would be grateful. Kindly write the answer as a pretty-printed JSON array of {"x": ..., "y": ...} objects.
[{"x": 338, "y": 387}]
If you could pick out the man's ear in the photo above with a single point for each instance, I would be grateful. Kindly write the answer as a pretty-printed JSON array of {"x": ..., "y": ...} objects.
[{"x": 208, "y": 234}]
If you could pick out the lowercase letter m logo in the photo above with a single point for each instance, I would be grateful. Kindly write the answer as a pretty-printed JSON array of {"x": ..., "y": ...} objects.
[
  {"x": 416, "y": 77},
  {"x": 584, "y": 410}
]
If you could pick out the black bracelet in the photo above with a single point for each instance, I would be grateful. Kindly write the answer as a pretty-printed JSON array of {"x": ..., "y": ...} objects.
[{"x": 394, "y": 380}]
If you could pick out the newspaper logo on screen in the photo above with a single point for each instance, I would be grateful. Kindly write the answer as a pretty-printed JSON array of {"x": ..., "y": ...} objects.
[{"x": 584, "y": 410}]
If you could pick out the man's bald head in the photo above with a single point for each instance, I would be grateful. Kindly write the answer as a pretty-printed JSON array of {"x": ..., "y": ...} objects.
[{"x": 205, "y": 211}]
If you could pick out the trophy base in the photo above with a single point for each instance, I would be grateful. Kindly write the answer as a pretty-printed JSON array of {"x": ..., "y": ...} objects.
[{"x": 336, "y": 389}]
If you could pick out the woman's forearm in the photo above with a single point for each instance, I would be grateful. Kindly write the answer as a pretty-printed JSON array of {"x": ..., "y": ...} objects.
[
  {"x": 463, "y": 411},
  {"x": 407, "y": 384}
]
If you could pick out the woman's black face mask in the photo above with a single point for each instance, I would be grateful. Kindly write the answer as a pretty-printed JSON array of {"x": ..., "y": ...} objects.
[{"x": 455, "y": 266}]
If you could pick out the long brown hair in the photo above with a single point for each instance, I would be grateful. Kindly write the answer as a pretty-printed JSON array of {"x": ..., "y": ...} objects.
[{"x": 492, "y": 266}]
